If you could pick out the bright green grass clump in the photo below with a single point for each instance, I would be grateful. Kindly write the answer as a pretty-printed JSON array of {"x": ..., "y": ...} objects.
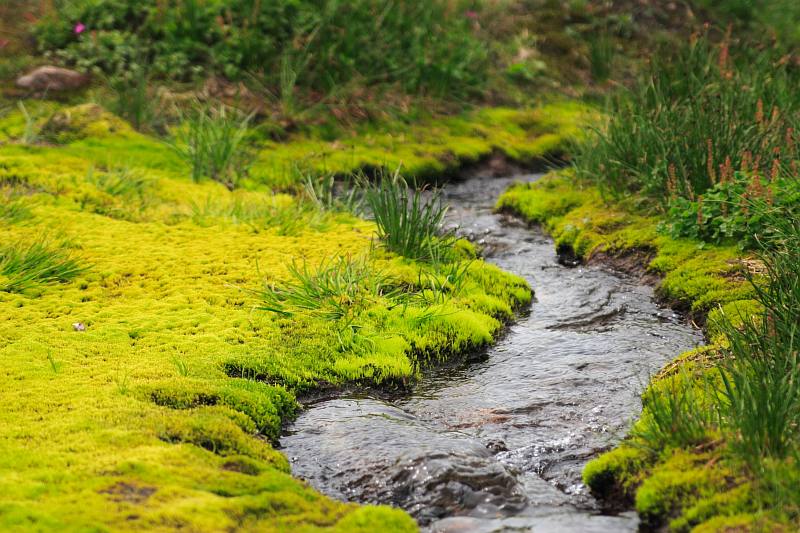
[
  {"x": 23, "y": 266},
  {"x": 145, "y": 382}
]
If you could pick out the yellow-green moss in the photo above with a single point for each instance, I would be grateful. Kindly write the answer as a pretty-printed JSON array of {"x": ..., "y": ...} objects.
[
  {"x": 83, "y": 121},
  {"x": 616, "y": 474},
  {"x": 676, "y": 485},
  {"x": 428, "y": 149},
  {"x": 741, "y": 523},
  {"x": 721, "y": 504},
  {"x": 131, "y": 400},
  {"x": 735, "y": 312}
]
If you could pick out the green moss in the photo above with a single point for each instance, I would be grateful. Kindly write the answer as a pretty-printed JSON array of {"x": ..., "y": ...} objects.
[
  {"x": 266, "y": 406},
  {"x": 369, "y": 519},
  {"x": 145, "y": 393},
  {"x": 616, "y": 474},
  {"x": 675, "y": 484},
  {"x": 430, "y": 148},
  {"x": 81, "y": 122}
]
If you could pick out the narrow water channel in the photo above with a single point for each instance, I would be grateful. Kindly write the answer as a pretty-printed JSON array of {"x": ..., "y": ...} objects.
[{"x": 497, "y": 443}]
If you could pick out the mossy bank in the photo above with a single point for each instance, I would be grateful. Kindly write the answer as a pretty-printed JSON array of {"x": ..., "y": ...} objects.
[
  {"x": 146, "y": 379},
  {"x": 676, "y": 486}
]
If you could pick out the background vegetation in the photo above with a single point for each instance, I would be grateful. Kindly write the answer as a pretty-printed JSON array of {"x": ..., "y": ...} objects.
[{"x": 251, "y": 97}]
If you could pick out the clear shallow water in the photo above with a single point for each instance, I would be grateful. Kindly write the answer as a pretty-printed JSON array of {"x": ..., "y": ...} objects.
[{"x": 497, "y": 443}]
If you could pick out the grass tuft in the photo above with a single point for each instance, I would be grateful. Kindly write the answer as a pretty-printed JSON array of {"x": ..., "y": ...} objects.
[
  {"x": 760, "y": 392},
  {"x": 13, "y": 211},
  {"x": 336, "y": 289},
  {"x": 212, "y": 142},
  {"x": 23, "y": 266},
  {"x": 409, "y": 222}
]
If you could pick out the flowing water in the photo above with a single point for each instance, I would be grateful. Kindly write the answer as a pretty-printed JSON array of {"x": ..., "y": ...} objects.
[{"x": 497, "y": 443}]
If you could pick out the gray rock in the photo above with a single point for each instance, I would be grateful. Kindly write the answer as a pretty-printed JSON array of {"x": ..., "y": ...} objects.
[{"x": 50, "y": 78}]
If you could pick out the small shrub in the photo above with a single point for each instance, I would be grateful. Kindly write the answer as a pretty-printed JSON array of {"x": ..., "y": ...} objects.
[
  {"x": 422, "y": 46},
  {"x": 733, "y": 210},
  {"x": 212, "y": 141},
  {"x": 23, "y": 266},
  {"x": 409, "y": 223}
]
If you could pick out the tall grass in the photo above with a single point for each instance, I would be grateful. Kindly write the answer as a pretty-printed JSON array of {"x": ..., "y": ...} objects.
[
  {"x": 760, "y": 396},
  {"x": 408, "y": 221},
  {"x": 132, "y": 99},
  {"x": 601, "y": 57},
  {"x": 699, "y": 113},
  {"x": 30, "y": 132},
  {"x": 212, "y": 141},
  {"x": 779, "y": 16},
  {"x": 26, "y": 265}
]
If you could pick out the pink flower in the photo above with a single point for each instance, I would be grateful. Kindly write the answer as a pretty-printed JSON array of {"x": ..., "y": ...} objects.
[
  {"x": 471, "y": 15},
  {"x": 79, "y": 28}
]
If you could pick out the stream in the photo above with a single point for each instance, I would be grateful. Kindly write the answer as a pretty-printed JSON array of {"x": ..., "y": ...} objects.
[{"x": 497, "y": 442}]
